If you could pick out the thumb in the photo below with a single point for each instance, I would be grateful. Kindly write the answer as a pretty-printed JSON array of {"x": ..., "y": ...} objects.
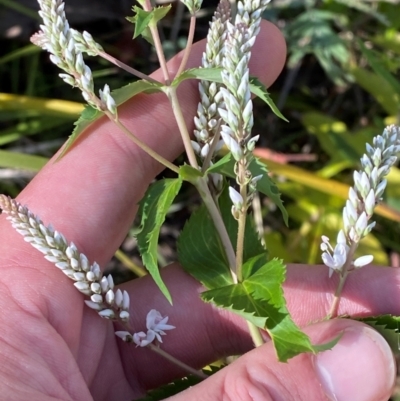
[{"x": 360, "y": 367}]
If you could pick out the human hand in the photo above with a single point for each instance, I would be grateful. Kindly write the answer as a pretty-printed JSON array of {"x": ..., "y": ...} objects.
[{"x": 54, "y": 348}]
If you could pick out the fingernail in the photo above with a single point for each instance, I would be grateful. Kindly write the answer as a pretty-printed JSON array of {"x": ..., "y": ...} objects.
[{"x": 360, "y": 367}]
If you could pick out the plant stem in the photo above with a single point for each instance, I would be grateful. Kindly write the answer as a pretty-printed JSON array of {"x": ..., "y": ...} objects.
[
  {"x": 342, "y": 280},
  {"x": 142, "y": 145},
  {"x": 188, "y": 45},
  {"x": 207, "y": 160},
  {"x": 177, "y": 362},
  {"x": 255, "y": 334},
  {"x": 126, "y": 67},
  {"x": 212, "y": 208},
  {"x": 157, "y": 44},
  {"x": 176, "y": 108},
  {"x": 122, "y": 257},
  {"x": 242, "y": 219}
]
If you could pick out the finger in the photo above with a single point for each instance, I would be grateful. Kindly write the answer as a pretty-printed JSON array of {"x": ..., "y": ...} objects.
[
  {"x": 217, "y": 333},
  {"x": 91, "y": 194},
  {"x": 360, "y": 367}
]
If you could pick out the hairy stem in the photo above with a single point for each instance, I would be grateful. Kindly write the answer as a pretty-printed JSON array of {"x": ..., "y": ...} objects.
[
  {"x": 177, "y": 110},
  {"x": 126, "y": 67},
  {"x": 188, "y": 45},
  {"x": 177, "y": 362}
]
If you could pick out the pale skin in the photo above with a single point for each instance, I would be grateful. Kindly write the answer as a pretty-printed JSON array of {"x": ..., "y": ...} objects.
[{"x": 52, "y": 347}]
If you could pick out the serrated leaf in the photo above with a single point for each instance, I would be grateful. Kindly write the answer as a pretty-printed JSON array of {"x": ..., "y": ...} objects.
[
  {"x": 265, "y": 185},
  {"x": 145, "y": 19},
  {"x": 159, "y": 13},
  {"x": 121, "y": 95},
  {"x": 153, "y": 209},
  {"x": 189, "y": 173},
  {"x": 259, "y": 89},
  {"x": 259, "y": 299},
  {"x": 207, "y": 74},
  {"x": 389, "y": 322},
  {"x": 177, "y": 386},
  {"x": 200, "y": 250},
  {"x": 141, "y": 19}
]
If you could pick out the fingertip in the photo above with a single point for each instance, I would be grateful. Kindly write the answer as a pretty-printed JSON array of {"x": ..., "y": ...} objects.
[{"x": 268, "y": 54}]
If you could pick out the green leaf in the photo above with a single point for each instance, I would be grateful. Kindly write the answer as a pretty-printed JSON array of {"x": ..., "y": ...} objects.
[
  {"x": 177, "y": 386},
  {"x": 223, "y": 165},
  {"x": 121, "y": 95},
  {"x": 389, "y": 322},
  {"x": 145, "y": 19},
  {"x": 265, "y": 185},
  {"x": 141, "y": 20},
  {"x": 21, "y": 161},
  {"x": 259, "y": 89},
  {"x": 153, "y": 209},
  {"x": 207, "y": 74},
  {"x": 189, "y": 173},
  {"x": 259, "y": 299},
  {"x": 214, "y": 75},
  {"x": 379, "y": 67},
  {"x": 200, "y": 250}
]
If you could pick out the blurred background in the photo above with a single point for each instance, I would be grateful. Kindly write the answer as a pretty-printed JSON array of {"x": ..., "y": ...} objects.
[{"x": 340, "y": 87}]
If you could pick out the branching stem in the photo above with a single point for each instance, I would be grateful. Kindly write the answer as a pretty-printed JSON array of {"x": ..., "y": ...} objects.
[
  {"x": 126, "y": 67},
  {"x": 142, "y": 145}
]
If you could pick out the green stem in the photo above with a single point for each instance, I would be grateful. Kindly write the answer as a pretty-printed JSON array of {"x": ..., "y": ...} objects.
[
  {"x": 125, "y": 67},
  {"x": 188, "y": 45},
  {"x": 255, "y": 334},
  {"x": 177, "y": 362},
  {"x": 212, "y": 208},
  {"x": 142, "y": 145},
  {"x": 176, "y": 108},
  {"x": 342, "y": 280},
  {"x": 126, "y": 260},
  {"x": 241, "y": 220},
  {"x": 158, "y": 46}
]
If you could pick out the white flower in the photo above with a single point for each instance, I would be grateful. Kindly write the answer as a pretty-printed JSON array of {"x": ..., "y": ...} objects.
[
  {"x": 156, "y": 326},
  {"x": 334, "y": 258}
]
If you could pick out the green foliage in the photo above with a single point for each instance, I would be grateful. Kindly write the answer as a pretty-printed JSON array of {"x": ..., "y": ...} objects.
[
  {"x": 121, "y": 95},
  {"x": 143, "y": 20},
  {"x": 21, "y": 161},
  {"x": 259, "y": 89},
  {"x": 177, "y": 386},
  {"x": 200, "y": 250},
  {"x": 259, "y": 299},
  {"x": 153, "y": 209},
  {"x": 265, "y": 185}
]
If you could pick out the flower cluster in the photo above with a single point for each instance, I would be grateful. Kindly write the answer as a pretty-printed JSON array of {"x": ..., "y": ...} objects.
[
  {"x": 66, "y": 47},
  {"x": 208, "y": 120},
  {"x": 369, "y": 185},
  {"x": 88, "y": 278},
  {"x": 156, "y": 326}
]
